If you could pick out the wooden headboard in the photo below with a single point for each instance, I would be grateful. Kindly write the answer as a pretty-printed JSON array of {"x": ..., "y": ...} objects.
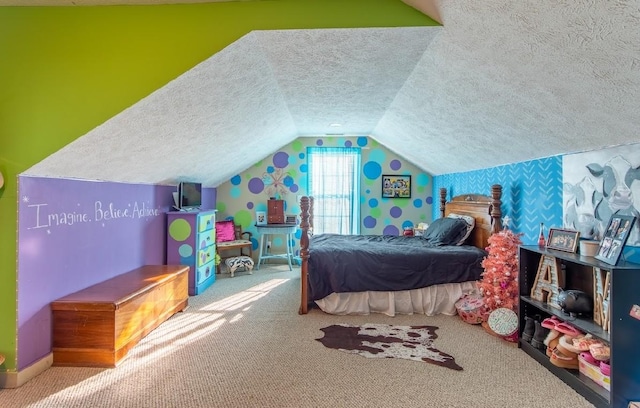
[{"x": 484, "y": 209}]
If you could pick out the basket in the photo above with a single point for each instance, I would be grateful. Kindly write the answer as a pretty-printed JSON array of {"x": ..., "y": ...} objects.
[
  {"x": 589, "y": 248},
  {"x": 470, "y": 308}
]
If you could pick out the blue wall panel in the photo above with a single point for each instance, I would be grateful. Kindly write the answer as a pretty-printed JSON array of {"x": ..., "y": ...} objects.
[{"x": 531, "y": 192}]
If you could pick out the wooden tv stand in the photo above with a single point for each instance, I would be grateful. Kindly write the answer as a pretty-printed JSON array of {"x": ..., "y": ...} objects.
[{"x": 97, "y": 326}]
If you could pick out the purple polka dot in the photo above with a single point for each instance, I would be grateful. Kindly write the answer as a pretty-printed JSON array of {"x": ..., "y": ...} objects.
[
  {"x": 391, "y": 230},
  {"x": 395, "y": 212},
  {"x": 281, "y": 160},
  {"x": 348, "y": 143},
  {"x": 294, "y": 188},
  {"x": 369, "y": 222},
  {"x": 250, "y": 205},
  {"x": 256, "y": 185},
  {"x": 319, "y": 142},
  {"x": 395, "y": 164},
  {"x": 429, "y": 200}
]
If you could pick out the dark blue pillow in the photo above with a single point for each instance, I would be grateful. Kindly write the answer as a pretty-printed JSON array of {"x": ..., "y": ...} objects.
[{"x": 446, "y": 231}]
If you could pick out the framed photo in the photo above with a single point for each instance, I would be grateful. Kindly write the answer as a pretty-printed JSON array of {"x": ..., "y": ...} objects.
[
  {"x": 261, "y": 218},
  {"x": 615, "y": 236},
  {"x": 396, "y": 186},
  {"x": 563, "y": 240}
]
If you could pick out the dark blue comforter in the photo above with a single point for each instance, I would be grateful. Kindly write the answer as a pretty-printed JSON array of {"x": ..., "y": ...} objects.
[{"x": 356, "y": 263}]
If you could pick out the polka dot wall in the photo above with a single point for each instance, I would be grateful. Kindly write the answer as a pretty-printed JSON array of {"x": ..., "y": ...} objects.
[{"x": 284, "y": 175}]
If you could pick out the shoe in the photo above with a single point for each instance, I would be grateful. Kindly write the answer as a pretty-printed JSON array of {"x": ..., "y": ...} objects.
[
  {"x": 565, "y": 345},
  {"x": 600, "y": 352},
  {"x": 583, "y": 343},
  {"x": 552, "y": 340},
  {"x": 539, "y": 335},
  {"x": 562, "y": 360},
  {"x": 529, "y": 328},
  {"x": 588, "y": 358},
  {"x": 550, "y": 322},
  {"x": 605, "y": 368},
  {"x": 568, "y": 330}
]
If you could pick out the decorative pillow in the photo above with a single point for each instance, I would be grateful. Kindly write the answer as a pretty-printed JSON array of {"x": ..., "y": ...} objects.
[
  {"x": 225, "y": 231},
  {"x": 471, "y": 223},
  {"x": 446, "y": 231}
]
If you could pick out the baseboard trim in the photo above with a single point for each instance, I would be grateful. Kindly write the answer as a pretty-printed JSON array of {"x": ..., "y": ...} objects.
[{"x": 15, "y": 379}]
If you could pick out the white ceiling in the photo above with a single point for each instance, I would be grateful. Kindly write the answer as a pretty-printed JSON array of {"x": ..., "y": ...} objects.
[{"x": 500, "y": 82}]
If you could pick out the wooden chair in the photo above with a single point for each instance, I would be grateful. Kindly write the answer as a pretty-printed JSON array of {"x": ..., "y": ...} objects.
[{"x": 230, "y": 237}]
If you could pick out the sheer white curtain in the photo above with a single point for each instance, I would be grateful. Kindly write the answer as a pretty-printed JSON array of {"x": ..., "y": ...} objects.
[{"x": 334, "y": 183}]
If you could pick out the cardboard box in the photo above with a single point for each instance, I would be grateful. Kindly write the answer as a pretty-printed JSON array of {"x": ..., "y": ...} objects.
[{"x": 594, "y": 373}]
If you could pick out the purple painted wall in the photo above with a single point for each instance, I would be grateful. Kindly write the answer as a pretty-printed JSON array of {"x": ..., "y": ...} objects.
[{"x": 73, "y": 234}]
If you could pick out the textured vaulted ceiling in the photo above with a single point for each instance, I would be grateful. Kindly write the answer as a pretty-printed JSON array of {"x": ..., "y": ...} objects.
[{"x": 500, "y": 82}]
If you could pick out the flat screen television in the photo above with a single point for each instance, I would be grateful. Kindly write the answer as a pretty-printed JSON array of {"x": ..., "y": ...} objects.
[{"x": 189, "y": 195}]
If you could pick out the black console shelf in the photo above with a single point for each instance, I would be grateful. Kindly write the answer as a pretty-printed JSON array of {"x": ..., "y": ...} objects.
[{"x": 623, "y": 327}]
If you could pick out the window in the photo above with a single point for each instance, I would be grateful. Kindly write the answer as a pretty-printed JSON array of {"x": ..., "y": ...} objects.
[{"x": 334, "y": 184}]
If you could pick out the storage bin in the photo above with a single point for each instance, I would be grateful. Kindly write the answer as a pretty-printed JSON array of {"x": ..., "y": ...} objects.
[{"x": 594, "y": 373}]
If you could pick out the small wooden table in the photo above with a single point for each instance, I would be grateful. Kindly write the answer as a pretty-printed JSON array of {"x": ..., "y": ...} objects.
[{"x": 272, "y": 229}]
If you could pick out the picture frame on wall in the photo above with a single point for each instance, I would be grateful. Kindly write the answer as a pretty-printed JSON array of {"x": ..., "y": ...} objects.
[
  {"x": 615, "y": 238},
  {"x": 396, "y": 186},
  {"x": 563, "y": 240}
]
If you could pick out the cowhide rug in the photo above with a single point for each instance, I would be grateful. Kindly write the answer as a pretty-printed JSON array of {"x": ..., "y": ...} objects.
[{"x": 387, "y": 341}]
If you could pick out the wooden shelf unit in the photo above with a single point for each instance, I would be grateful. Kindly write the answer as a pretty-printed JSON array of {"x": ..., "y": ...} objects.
[{"x": 623, "y": 329}]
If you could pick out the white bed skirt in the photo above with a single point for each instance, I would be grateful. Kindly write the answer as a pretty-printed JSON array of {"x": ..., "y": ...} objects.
[{"x": 432, "y": 300}]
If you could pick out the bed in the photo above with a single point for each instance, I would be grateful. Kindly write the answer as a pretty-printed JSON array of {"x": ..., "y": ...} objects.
[{"x": 362, "y": 274}]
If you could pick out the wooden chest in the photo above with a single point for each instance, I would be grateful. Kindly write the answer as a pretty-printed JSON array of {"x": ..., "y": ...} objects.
[
  {"x": 97, "y": 326},
  {"x": 275, "y": 211}
]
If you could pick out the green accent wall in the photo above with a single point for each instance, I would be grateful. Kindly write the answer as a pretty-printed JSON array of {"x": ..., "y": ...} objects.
[{"x": 66, "y": 70}]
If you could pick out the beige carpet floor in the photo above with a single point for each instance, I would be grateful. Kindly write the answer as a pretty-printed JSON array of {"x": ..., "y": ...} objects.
[{"x": 242, "y": 344}]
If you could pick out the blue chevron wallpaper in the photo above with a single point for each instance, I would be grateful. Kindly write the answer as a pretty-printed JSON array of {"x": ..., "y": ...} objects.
[{"x": 531, "y": 192}]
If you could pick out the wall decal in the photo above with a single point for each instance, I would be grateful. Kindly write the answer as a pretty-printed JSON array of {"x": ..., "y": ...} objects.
[
  {"x": 597, "y": 185},
  {"x": 42, "y": 215}
]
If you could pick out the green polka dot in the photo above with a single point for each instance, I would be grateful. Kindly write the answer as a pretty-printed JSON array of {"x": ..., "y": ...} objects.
[
  {"x": 179, "y": 230},
  {"x": 402, "y": 203},
  {"x": 376, "y": 212},
  {"x": 243, "y": 218},
  {"x": 221, "y": 207},
  {"x": 296, "y": 146}
]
